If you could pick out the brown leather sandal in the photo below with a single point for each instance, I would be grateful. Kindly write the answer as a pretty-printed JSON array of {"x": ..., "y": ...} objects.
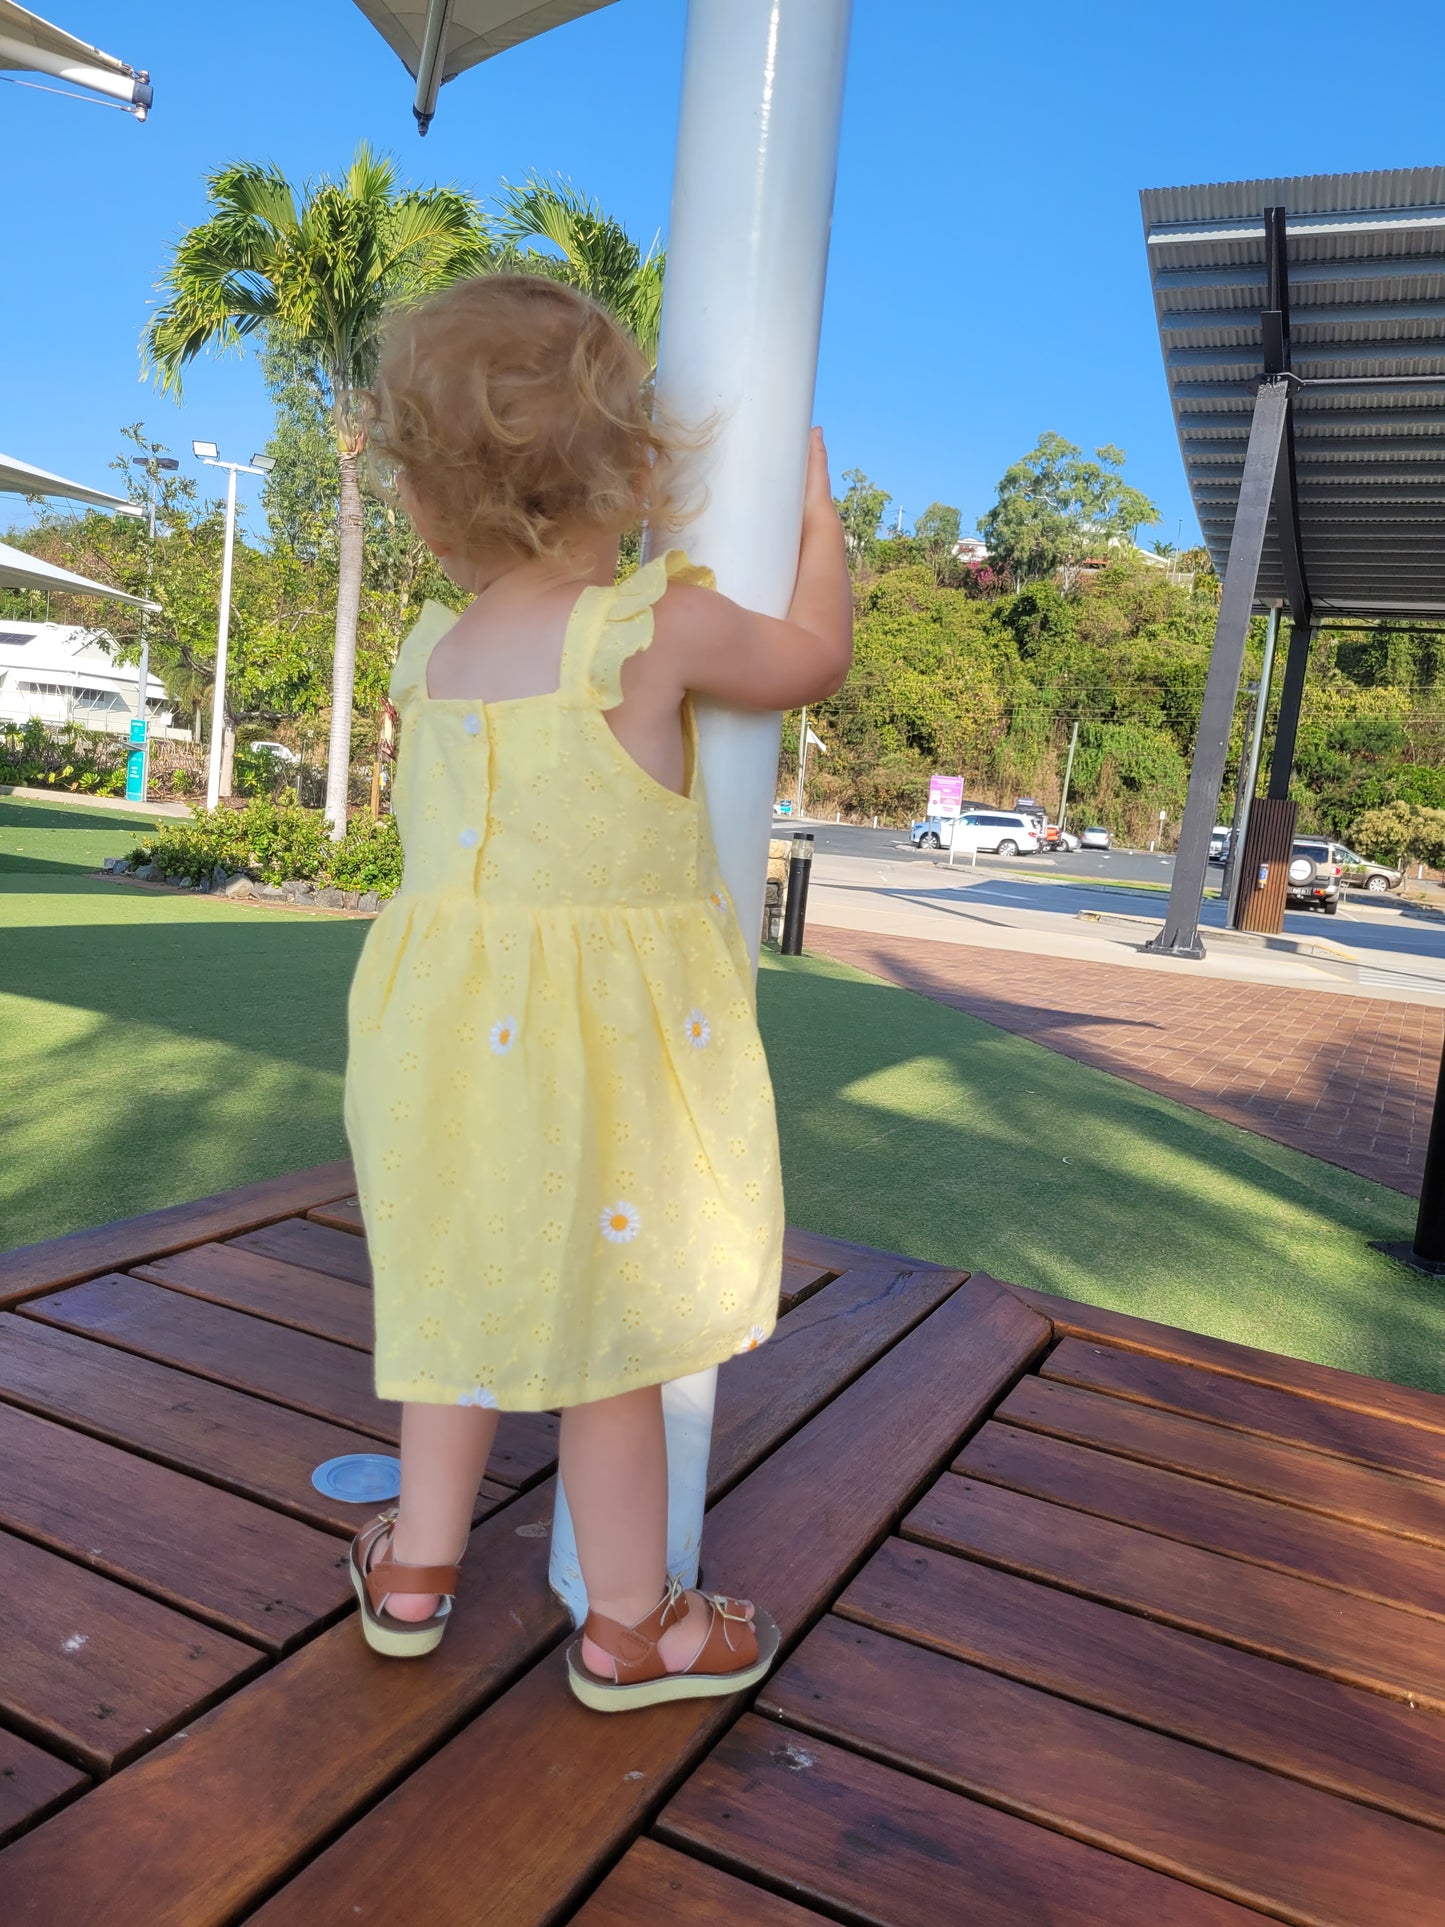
[
  {"x": 376, "y": 1580},
  {"x": 735, "y": 1653}
]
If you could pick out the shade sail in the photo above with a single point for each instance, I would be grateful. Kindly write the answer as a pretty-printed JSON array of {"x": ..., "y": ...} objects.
[
  {"x": 31, "y": 44},
  {"x": 1363, "y": 329},
  {"x": 23, "y": 478},
  {"x": 21, "y": 571},
  {"x": 438, "y": 39}
]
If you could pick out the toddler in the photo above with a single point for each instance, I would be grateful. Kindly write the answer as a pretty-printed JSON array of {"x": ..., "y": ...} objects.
[{"x": 557, "y": 1097}]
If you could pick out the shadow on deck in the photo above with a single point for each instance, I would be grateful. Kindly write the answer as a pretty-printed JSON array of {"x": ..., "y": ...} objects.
[{"x": 1085, "y": 1619}]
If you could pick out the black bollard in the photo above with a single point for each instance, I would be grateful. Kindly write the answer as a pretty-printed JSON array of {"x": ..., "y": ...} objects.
[
  {"x": 1427, "y": 1251},
  {"x": 795, "y": 910}
]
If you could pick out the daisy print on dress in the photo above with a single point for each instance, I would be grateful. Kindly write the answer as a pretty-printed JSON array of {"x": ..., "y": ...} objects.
[
  {"x": 698, "y": 1029},
  {"x": 750, "y": 1344},
  {"x": 718, "y": 901},
  {"x": 479, "y": 1395},
  {"x": 503, "y": 1035},
  {"x": 620, "y": 1223}
]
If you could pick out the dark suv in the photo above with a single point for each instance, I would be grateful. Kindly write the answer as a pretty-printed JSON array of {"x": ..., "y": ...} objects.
[{"x": 1314, "y": 876}]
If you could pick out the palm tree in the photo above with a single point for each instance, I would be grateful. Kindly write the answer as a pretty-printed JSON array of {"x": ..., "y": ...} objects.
[
  {"x": 317, "y": 271},
  {"x": 593, "y": 253}
]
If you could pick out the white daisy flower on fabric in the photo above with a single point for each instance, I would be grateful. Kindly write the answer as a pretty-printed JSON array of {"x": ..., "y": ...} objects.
[
  {"x": 750, "y": 1344},
  {"x": 718, "y": 901},
  {"x": 503, "y": 1035},
  {"x": 698, "y": 1029},
  {"x": 479, "y": 1395},
  {"x": 620, "y": 1223}
]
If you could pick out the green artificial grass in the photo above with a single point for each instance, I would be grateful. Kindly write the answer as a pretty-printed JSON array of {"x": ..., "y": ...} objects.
[{"x": 156, "y": 1047}]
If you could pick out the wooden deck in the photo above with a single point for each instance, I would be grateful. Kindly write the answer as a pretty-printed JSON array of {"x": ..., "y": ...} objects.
[{"x": 1086, "y": 1620}]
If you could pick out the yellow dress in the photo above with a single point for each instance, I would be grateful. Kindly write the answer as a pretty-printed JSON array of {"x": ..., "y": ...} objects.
[{"x": 556, "y": 1095}]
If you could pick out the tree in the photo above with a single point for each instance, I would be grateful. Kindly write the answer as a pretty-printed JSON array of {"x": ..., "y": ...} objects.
[
  {"x": 316, "y": 271},
  {"x": 1400, "y": 832},
  {"x": 861, "y": 509},
  {"x": 593, "y": 253},
  {"x": 938, "y": 528},
  {"x": 1055, "y": 509}
]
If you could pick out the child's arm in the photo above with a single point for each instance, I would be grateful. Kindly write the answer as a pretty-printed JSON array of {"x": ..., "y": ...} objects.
[{"x": 722, "y": 650}]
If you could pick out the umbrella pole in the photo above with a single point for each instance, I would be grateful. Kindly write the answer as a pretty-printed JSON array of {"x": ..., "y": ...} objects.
[{"x": 752, "y": 203}]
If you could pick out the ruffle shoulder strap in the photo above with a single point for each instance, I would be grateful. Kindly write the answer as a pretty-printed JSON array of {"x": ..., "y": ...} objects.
[
  {"x": 621, "y": 625},
  {"x": 408, "y": 675}
]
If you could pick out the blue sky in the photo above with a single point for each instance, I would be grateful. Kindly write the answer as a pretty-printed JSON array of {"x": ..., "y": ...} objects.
[{"x": 987, "y": 278}]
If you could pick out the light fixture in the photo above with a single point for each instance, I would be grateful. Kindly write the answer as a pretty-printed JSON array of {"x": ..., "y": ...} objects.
[
  {"x": 154, "y": 461},
  {"x": 205, "y": 449},
  {"x": 264, "y": 462}
]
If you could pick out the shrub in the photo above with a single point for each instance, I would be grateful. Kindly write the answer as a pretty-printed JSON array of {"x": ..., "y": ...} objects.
[
  {"x": 1401, "y": 832},
  {"x": 277, "y": 842},
  {"x": 39, "y": 755}
]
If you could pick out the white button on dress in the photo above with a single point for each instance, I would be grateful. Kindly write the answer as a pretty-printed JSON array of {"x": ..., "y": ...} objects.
[
  {"x": 468, "y": 839},
  {"x": 472, "y": 724}
]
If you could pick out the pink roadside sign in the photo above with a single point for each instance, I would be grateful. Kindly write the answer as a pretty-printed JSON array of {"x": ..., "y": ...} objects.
[{"x": 945, "y": 796}]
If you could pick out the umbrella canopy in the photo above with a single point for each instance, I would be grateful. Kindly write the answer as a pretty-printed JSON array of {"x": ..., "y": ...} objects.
[
  {"x": 23, "y": 478},
  {"x": 439, "y": 39},
  {"x": 32, "y": 44},
  {"x": 21, "y": 571}
]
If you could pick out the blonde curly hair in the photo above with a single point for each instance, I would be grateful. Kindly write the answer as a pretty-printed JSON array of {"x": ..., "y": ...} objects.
[{"x": 520, "y": 416}]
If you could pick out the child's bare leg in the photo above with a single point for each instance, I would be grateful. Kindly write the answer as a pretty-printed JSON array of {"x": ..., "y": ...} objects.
[
  {"x": 614, "y": 1472},
  {"x": 443, "y": 1455}
]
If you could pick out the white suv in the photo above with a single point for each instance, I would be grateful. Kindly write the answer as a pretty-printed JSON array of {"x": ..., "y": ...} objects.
[{"x": 1000, "y": 832}]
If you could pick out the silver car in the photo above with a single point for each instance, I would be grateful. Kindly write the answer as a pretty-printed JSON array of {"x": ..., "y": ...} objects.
[{"x": 1095, "y": 837}]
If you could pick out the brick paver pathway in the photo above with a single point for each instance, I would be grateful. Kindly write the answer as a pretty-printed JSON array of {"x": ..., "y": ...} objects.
[{"x": 1347, "y": 1079}]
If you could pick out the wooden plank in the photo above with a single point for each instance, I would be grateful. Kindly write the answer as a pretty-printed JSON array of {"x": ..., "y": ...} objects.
[
  {"x": 205, "y": 1824},
  {"x": 344, "y": 1215},
  {"x": 1334, "y": 1488},
  {"x": 840, "y": 1254},
  {"x": 812, "y": 1355},
  {"x": 292, "y": 1368},
  {"x": 134, "y": 1241},
  {"x": 654, "y": 1886},
  {"x": 240, "y": 1566},
  {"x": 93, "y": 1670},
  {"x": 297, "y": 1241},
  {"x": 33, "y": 1784},
  {"x": 800, "y": 1282},
  {"x": 1363, "y": 1644},
  {"x": 261, "y": 1451},
  {"x": 1351, "y": 1391},
  {"x": 1341, "y": 1432},
  {"x": 1354, "y": 1559},
  {"x": 880, "y": 1846},
  {"x": 533, "y": 1801},
  {"x": 1312, "y": 1729},
  {"x": 1236, "y": 1830},
  {"x": 249, "y": 1281}
]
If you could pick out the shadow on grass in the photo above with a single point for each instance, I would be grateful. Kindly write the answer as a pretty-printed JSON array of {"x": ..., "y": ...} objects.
[{"x": 927, "y": 1131}]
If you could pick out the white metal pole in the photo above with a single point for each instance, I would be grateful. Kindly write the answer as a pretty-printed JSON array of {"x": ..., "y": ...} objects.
[
  {"x": 802, "y": 757},
  {"x": 223, "y": 625},
  {"x": 141, "y": 709},
  {"x": 752, "y": 205}
]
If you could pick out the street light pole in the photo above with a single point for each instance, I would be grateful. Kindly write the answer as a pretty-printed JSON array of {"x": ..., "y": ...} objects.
[{"x": 258, "y": 465}]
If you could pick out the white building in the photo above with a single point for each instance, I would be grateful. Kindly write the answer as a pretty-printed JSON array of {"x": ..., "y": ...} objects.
[{"x": 64, "y": 674}]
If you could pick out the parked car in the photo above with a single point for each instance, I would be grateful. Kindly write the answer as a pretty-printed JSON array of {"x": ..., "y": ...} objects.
[
  {"x": 1057, "y": 839},
  {"x": 997, "y": 832},
  {"x": 936, "y": 832},
  {"x": 1220, "y": 838},
  {"x": 278, "y": 750},
  {"x": 1314, "y": 877},
  {"x": 1359, "y": 873},
  {"x": 1095, "y": 837}
]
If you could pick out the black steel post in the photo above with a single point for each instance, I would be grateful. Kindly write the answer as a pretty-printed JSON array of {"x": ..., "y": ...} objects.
[
  {"x": 1286, "y": 726},
  {"x": 795, "y": 910},
  {"x": 1427, "y": 1250},
  {"x": 1180, "y": 935}
]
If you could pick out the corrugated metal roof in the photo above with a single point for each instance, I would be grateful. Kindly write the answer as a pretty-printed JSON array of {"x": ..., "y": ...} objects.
[{"x": 1367, "y": 298}]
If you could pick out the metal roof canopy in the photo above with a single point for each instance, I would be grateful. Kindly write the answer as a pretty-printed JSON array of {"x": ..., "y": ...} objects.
[
  {"x": 1341, "y": 293},
  {"x": 23, "y": 478},
  {"x": 21, "y": 571},
  {"x": 1303, "y": 329},
  {"x": 438, "y": 39},
  {"x": 33, "y": 45}
]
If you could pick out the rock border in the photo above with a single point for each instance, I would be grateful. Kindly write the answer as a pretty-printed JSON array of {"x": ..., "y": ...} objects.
[{"x": 236, "y": 885}]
